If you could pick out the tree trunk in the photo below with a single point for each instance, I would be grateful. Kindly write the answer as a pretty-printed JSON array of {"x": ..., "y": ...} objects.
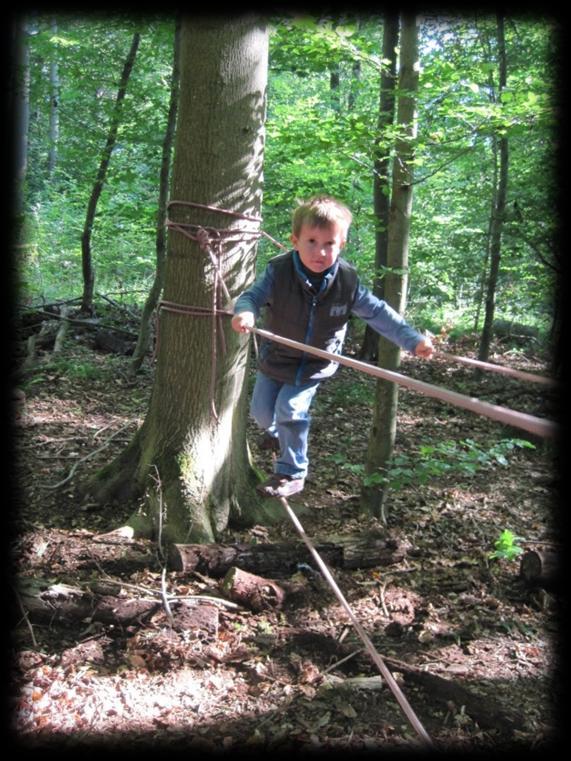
[
  {"x": 19, "y": 104},
  {"x": 334, "y": 86},
  {"x": 355, "y": 83},
  {"x": 383, "y": 430},
  {"x": 280, "y": 559},
  {"x": 540, "y": 569},
  {"x": 381, "y": 183},
  {"x": 86, "y": 259},
  {"x": 193, "y": 467},
  {"x": 497, "y": 221},
  {"x": 254, "y": 592},
  {"x": 484, "y": 267},
  {"x": 161, "y": 243},
  {"x": 54, "y": 108}
]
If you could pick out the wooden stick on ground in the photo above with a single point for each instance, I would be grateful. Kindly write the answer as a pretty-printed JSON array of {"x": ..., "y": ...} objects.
[{"x": 370, "y": 648}]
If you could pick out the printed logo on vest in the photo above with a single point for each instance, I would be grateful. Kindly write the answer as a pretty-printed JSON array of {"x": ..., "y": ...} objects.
[{"x": 337, "y": 310}]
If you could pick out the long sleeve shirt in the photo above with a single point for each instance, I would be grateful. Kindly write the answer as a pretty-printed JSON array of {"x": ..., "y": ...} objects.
[{"x": 317, "y": 314}]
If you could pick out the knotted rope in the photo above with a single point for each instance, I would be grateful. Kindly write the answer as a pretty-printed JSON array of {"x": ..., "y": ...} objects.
[{"x": 211, "y": 241}]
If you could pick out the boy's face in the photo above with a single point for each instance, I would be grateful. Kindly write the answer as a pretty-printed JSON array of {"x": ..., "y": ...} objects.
[{"x": 319, "y": 247}]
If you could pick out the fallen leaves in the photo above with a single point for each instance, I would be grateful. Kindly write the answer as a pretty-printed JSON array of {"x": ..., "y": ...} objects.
[{"x": 245, "y": 679}]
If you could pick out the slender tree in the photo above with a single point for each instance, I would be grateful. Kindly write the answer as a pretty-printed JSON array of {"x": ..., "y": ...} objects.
[
  {"x": 144, "y": 337},
  {"x": 192, "y": 466},
  {"x": 19, "y": 95},
  {"x": 54, "y": 107},
  {"x": 383, "y": 430},
  {"x": 381, "y": 177},
  {"x": 86, "y": 258},
  {"x": 498, "y": 211}
]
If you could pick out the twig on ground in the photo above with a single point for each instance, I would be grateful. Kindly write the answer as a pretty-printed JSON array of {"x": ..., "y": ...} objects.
[
  {"x": 159, "y": 592},
  {"x": 343, "y": 660},
  {"x": 25, "y": 617},
  {"x": 83, "y": 459}
]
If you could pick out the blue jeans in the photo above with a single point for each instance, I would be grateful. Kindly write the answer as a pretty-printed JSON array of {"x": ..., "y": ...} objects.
[{"x": 282, "y": 410}]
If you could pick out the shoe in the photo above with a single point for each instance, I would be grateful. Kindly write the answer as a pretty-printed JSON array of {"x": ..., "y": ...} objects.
[
  {"x": 269, "y": 443},
  {"x": 279, "y": 485}
]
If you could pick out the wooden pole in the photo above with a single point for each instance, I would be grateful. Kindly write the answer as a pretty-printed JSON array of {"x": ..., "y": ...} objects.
[{"x": 538, "y": 426}]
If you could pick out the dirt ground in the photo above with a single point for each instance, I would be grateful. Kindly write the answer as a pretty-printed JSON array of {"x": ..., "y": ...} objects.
[{"x": 294, "y": 678}]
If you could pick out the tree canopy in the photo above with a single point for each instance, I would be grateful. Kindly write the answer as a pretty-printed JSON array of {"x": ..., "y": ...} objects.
[{"x": 321, "y": 136}]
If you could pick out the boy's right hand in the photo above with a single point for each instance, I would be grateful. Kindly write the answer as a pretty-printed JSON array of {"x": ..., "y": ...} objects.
[{"x": 243, "y": 322}]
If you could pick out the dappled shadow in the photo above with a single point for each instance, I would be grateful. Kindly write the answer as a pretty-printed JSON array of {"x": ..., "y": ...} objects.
[{"x": 445, "y": 608}]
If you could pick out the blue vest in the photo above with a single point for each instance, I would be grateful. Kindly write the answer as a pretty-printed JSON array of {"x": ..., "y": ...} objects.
[{"x": 295, "y": 310}]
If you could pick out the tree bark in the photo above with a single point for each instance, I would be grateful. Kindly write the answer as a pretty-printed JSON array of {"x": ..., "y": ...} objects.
[
  {"x": 144, "y": 337},
  {"x": 54, "y": 108},
  {"x": 254, "y": 592},
  {"x": 381, "y": 182},
  {"x": 64, "y": 603},
  {"x": 498, "y": 213},
  {"x": 191, "y": 467},
  {"x": 383, "y": 430},
  {"x": 86, "y": 258},
  {"x": 540, "y": 569},
  {"x": 19, "y": 104},
  {"x": 281, "y": 559}
]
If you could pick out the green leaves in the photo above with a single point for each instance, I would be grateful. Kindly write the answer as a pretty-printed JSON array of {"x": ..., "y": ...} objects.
[
  {"x": 464, "y": 458},
  {"x": 506, "y": 547},
  {"x": 322, "y": 136}
]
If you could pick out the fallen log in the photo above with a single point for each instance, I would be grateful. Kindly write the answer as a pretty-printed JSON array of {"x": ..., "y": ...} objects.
[
  {"x": 64, "y": 603},
  {"x": 62, "y": 331},
  {"x": 280, "y": 559},
  {"x": 254, "y": 592},
  {"x": 540, "y": 569}
]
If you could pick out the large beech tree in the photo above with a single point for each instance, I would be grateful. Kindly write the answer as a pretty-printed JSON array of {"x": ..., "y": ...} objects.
[{"x": 189, "y": 466}]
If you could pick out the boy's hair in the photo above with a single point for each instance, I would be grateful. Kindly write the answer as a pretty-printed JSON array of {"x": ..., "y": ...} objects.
[{"x": 321, "y": 211}]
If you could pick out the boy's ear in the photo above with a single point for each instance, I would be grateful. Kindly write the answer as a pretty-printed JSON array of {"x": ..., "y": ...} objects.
[{"x": 294, "y": 239}]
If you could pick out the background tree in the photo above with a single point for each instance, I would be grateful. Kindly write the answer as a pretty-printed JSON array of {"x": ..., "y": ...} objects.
[
  {"x": 500, "y": 190},
  {"x": 86, "y": 259},
  {"x": 19, "y": 94},
  {"x": 383, "y": 430},
  {"x": 381, "y": 179},
  {"x": 152, "y": 300},
  {"x": 193, "y": 467},
  {"x": 54, "y": 108}
]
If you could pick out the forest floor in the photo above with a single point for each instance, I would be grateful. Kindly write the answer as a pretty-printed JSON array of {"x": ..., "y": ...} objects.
[{"x": 295, "y": 678}]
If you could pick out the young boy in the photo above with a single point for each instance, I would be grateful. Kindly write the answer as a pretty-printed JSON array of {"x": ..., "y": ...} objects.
[{"x": 308, "y": 295}]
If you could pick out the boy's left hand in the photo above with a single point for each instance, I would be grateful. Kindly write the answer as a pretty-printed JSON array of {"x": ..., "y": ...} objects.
[{"x": 424, "y": 348}]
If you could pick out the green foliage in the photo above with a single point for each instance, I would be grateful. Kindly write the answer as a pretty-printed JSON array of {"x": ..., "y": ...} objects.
[
  {"x": 72, "y": 368},
  {"x": 322, "y": 136},
  {"x": 90, "y": 53},
  {"x": 464, "y": 458},
  {"x": 506, "y": 547}
]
